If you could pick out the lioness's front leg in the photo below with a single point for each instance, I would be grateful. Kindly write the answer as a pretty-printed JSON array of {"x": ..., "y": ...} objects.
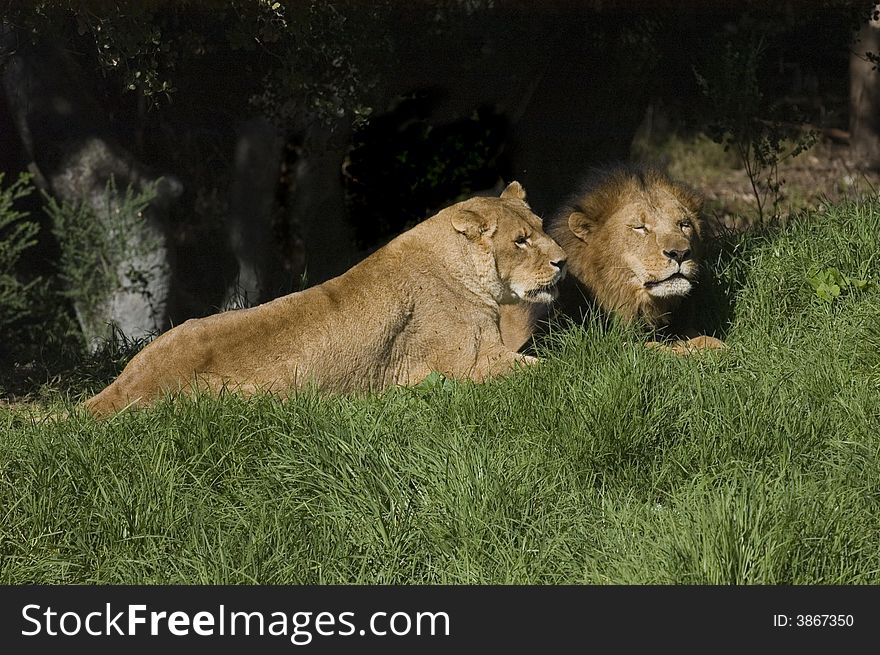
[
  {"x": 519, "y": 322},
  {"x": 500, "y": 362}
]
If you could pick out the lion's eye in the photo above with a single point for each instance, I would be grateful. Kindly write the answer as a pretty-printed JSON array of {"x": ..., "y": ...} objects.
[
  {"x": 641, "y": 229},
  {"x": 685, "y": 225},
  {"x": 522, "y": 241}
]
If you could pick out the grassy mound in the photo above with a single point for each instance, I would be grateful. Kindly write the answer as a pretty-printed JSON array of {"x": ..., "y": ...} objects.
[{"x": 608, "y": 463}]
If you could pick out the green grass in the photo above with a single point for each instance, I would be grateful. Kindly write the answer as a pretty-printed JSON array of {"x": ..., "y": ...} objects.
[{"x": 608, "y": 463}]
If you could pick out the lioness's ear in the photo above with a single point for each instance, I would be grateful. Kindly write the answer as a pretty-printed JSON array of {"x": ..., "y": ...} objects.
[
  {"x": 473, "y": 224},
  {"x": 514, "y": 190},
  {"x": 580, "y": 225}
]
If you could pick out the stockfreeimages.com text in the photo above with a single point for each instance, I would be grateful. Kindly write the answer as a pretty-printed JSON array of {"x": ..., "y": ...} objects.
[{"x": 301, "y": 627}]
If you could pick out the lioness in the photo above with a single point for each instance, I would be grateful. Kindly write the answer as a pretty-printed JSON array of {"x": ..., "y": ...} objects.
[
  {"x": 633, "y": 240},
  {"x": 427, "y": 301}
]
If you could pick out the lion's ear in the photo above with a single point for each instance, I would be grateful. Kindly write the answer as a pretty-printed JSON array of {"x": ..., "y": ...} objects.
[
  {"x": 514, "y": 190},
  {"x": 580, "y": 225},
  {"x": 474, "y": 224}
]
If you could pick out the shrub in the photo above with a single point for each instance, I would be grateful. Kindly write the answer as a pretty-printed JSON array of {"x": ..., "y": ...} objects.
[
  {"x": 103, "y": 250},
  {"x": 17, "y": 235}
]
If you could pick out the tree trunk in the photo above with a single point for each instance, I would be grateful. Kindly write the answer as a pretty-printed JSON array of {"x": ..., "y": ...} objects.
[
  {"x": 68, "y": 140},
  {"x": 256, "y": 168},
  {"x": 864, "y": 96}
]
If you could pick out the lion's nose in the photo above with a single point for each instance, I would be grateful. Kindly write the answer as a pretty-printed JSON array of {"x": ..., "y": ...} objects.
[
  {"x": 677, "y": 255},
  {"x": 559, "y": 264}
]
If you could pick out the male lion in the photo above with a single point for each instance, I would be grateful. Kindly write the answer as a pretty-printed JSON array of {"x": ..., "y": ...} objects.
[
  {"x": 427, "y": 301},
  {"x": 633, "y": 240}
]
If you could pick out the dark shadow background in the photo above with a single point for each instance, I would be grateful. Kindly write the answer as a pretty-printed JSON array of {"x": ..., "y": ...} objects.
[{"x": 384, "y": 112}]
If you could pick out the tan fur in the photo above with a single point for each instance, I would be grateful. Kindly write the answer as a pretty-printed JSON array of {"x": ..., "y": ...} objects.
[
  {"x": 624, "y": 238},
  {"x": 427, "y": 301}
]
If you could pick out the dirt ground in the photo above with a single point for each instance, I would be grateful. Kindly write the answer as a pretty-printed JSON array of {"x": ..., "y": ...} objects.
[{"x": 824, "y": 174}]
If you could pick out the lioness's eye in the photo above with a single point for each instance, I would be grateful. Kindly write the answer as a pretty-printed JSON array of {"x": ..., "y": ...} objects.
[{"x": 522, "y": 241}]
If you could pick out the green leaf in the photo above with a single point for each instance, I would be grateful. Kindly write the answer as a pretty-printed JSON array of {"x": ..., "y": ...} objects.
[{"x": 834, "y": 276}]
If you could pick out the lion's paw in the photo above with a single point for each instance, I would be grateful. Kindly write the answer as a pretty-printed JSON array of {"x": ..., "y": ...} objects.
[{"x": 684, "y": 347}]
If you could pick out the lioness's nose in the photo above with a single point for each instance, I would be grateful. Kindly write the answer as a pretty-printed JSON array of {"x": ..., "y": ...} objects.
[
  {"x": 559, "y": 263},
  {"x": 677, "y": 255}
]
